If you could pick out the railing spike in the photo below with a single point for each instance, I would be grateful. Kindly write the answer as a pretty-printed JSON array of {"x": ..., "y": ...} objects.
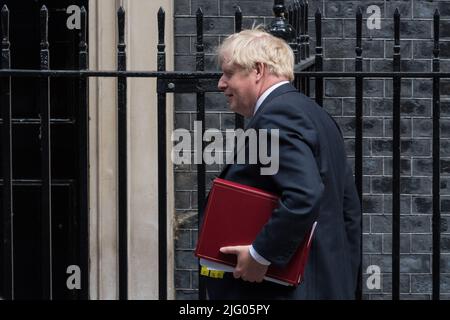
[
  {"x": 359, "y": 12},
  {"x": 238, "y": 19},
  {"x": 44, "y": 27},
  {"x": 5, "y": 24},
  {"x": 436, "y": 12},
  {"x": 83, "y": 15},
  {"x": 359, "y": 17},
  {"x": 318, "y": 12},
  {"x": 121, "y": 25},
  {"x": 318, "y": 21},
  {"x": 436, "y": 22},
  {"x": 161, "y": 28},
  {"x": 397, "y": 27}
]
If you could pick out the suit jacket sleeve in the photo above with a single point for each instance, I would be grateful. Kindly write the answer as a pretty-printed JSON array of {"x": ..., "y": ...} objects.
[{"x": 298, "y": 182}]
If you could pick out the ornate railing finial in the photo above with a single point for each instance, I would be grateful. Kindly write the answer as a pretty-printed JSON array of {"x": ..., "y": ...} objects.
[{"x": 280, "y": 27}]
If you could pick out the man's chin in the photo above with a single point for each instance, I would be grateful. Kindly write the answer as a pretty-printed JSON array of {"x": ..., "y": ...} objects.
[{"x": 236, "y": 110}]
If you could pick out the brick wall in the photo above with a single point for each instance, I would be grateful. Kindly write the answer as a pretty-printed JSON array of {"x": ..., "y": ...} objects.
[{"x": 416, "y": 128}]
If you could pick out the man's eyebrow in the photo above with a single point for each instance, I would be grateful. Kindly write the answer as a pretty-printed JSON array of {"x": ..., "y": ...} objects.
[{"x": 228, "y": 69}]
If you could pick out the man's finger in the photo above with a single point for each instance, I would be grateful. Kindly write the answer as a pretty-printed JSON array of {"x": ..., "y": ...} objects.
[
  {"x": 236, "y": 273},
  {"x": 230, "y": 250}
]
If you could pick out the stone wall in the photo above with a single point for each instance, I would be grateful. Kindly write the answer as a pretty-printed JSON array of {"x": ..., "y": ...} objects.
[{"x": 416, "y": 128}]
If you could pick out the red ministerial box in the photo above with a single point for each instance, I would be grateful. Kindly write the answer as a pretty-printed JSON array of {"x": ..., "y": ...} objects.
[{"x": 234, "y": 215}]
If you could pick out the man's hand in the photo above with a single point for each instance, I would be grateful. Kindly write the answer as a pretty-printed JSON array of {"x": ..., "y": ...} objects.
[{"x": 247, "y": 268}]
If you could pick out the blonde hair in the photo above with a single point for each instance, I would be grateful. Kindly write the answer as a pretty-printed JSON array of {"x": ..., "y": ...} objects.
[{"x": 249, "y": 47}]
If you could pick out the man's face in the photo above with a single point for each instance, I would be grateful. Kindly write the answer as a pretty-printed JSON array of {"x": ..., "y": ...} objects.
[{"x": 240, "y": 88}]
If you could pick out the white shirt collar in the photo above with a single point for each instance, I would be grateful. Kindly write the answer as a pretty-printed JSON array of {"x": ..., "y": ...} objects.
[{"x": 266, "y": 94}]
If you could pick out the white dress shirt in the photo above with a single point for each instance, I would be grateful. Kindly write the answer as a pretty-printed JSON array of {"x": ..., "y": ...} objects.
[{"x": 266, "y": 94}]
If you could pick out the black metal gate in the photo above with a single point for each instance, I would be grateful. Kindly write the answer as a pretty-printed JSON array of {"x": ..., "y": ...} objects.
[{"x": 44, "y": 152}]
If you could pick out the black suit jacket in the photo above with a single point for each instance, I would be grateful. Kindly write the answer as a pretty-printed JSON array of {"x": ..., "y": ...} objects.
[{"x": 314, "y": 182}]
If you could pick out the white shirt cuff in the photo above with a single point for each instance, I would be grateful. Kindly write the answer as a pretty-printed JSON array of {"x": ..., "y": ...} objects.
[{"x": 255, "y": 255}]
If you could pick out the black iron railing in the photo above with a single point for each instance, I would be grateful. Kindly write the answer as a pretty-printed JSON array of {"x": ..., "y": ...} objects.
[
  {"x": 7, "y": 241},
  {"x": 46, "y": 209}
]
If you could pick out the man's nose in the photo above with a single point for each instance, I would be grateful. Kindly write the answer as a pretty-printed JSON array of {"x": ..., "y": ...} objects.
[{"x": 221, "y": 85}]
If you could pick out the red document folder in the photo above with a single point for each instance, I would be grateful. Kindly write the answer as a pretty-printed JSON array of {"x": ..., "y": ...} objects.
[{"x": 234, "y": 215}]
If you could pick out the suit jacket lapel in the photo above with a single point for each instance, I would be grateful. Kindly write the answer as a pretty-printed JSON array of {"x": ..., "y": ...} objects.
[{"x": 275, "y": 93}]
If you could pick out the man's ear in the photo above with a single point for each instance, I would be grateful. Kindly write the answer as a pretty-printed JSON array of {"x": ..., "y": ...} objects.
[{"x": 260, "y": 69}]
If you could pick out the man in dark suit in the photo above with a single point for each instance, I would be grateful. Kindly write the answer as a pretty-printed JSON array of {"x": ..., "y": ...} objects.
[{"x": 314, "y": 180}]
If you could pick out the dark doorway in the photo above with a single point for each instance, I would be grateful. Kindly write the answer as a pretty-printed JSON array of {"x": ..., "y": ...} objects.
[{"x": 69, "y": 241}]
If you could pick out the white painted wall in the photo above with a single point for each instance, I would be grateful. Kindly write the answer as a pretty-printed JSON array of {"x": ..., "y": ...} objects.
[{"x": 141, "y": 39}]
